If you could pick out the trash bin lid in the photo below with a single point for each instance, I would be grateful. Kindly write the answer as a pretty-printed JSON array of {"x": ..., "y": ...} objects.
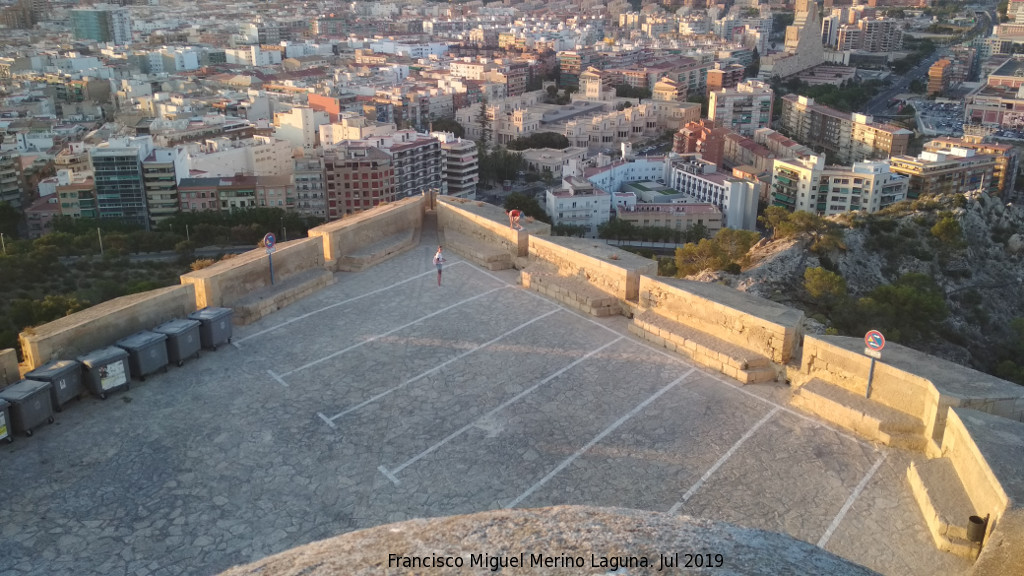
[
  {"x": 103, "y": 356},
  {"x": 54, "y": 370},
  {"x": 176, "y": 326},
  {"x": 210, "y": 313},
  {"x": 21, "y": 390},
  {"x": 141, "y": 340}
]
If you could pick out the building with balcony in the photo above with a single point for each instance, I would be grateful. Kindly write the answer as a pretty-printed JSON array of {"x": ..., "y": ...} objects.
[
  {"x": 742, "y": 109},
  {"x": 723, "y": 77},
  {"x": 807, "y": 184},
  {"x": 460, "y": 167},
  {"x": 703, "y": 183},
  {"x": 578, "y": 203},
  {"x": 1006, "y": 158},
  {"x": 939, "y": 77},
  {"x": 956, "y": 171},
  {"x": 102, "y": 23},
  {"x": 357, "y": 177},
  {"x": 676, "y": 216},
  {"x": 416, "y": 160},
  {"x": 76, "y": 192},
  {"x": 310, "y": 197},
  {"x": 162, "y": 170},
  {"x": 120, "y": 186},
  {"x": 844, "y": 137},
  {"x": 10, "y": 179}
]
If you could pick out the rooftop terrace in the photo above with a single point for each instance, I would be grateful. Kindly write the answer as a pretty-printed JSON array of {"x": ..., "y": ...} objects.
[{"x": 385, "y": 397}]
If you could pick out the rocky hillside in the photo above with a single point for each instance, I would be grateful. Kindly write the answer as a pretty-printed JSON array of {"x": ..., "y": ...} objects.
[{"x": 972, "y": 248}]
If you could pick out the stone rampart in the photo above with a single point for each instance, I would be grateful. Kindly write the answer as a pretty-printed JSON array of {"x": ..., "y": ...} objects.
[
  {"x": 975, "y": 443},
  {"x": 487, "y": 223},
  {"x": 103, "y": 324},
  {"x": 762, "y": 326},
  {"x": 910, "y": 381},
  {"x": 231, "y": 280},
  {"x": 605, "y": 267},
  {"x": 354, "y": 233}
]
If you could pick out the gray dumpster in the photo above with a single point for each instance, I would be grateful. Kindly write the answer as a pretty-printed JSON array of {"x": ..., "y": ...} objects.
[
  {"x": 182, "y": 339},
  {"x": 65, "y": 377},
  {"x": 5, "y": 428},
  {"x": 216, "y": 328},
  {"x": 106, "y": 370},
  {"x": 147, "y": 353},
  {"x": 30, "y": 404}
]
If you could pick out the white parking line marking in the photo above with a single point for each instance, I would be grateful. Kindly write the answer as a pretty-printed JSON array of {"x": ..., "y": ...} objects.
[
  {"x": 500, "y": 407},
  {"x": 392, "y": 331},
  {"x": 336, "y": 304},
  {"x": 693, "y": 489},
  {"x": 849, "y": 502},
  {"x": 596, "y": 439},
  {"x": 439, "y": 366},
  {"x": 278, "y": 378}
]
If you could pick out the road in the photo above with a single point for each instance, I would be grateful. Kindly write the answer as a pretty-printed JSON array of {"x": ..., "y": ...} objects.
[{"x": 880, "y": 102}]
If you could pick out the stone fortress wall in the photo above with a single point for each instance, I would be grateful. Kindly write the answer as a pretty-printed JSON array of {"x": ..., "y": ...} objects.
[{"x": 970, "y": 424}]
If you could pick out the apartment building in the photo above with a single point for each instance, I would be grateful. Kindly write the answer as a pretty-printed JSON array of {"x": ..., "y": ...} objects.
[
  {"x": 416, "y": 161},
  {"x": 353, "y": 126},
  {"x": 956, "y": 171},
  {"x": 807, "y": 184},
  {"x": 743, "y": 109},
  {"x": 578, "y": 203},
  {"x": 300, "y": 126},
  {"x": 10, "y": 179},
  {"x": 460, "y": 167},
  {"x": 77, "y": 194},
  {"x": 241, "y": 192},
  {"x": 259, "y": 156},
  {"x": 357, "y": 177},
  {"x": 723, "y": 77},
  {"x": 939, "y": 76},
  {"x": 102, "y": 23},
  {"x": 553, "y": 161},
  {"x": 704, "y": 138},
  {"x": 701, "y": 181},
  {"x": 162, "y": 171},
  {"x": 609, "y": 130},
  {"x": 310, "y": 199},
  {"x": 844, "y": 137},
  {"x": 675, "y": 216},
  {"x": 120, "y": 186},
  {"x": 1006, "y": 158}
]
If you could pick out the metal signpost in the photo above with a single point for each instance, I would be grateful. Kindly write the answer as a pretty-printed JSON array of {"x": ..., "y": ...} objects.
[
  {"x": 875, "y": 342},
  {"x": 270, "y": 242}
]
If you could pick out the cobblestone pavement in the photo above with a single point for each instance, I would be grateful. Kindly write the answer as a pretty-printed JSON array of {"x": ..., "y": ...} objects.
[{"x": 385, "y": 397}]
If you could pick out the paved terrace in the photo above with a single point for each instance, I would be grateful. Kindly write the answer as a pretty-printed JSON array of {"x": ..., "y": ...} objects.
[{"x": 385, "y": 397}]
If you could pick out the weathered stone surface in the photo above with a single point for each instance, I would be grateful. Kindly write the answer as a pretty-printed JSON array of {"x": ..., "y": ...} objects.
[{"x": 590, "y": 534}]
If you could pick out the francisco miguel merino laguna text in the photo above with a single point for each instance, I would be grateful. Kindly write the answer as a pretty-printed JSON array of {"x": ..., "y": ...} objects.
[{"x": 541, "y": 560}]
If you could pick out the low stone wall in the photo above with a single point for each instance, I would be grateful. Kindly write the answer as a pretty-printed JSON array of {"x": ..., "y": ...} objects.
[
  {"x": 355, "y": 232},
  {"x": 230, "y": 280},
  {"x": 9, "y": 373},
  {"x": 104, "y": 324},
  {"x": 608, "y": 268},
  {"x": 910, "y": 381},
  {"x": 487, "y": 223},
  {"x": 968, "y": 443},
  {"x": 1004, "y": 548},
  {"x": 759, "y": 325}
]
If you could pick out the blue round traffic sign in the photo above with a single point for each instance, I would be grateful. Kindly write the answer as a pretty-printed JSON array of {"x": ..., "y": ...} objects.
[
  {"x": 269, "y": 240},
  {"x": 874, "y": 340}
]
